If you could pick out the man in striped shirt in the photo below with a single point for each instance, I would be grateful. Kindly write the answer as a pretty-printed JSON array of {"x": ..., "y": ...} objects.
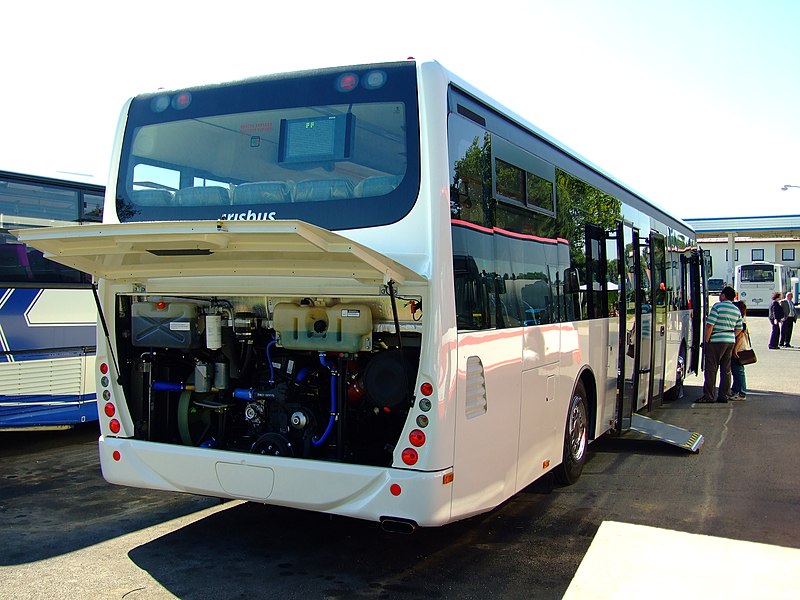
[{"x": 723, "y": 325}]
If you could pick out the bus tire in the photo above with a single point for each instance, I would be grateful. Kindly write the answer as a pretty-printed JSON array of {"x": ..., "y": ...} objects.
[
  {"x": 576, "y": 438},
  {"x": 676, "y": 392}
]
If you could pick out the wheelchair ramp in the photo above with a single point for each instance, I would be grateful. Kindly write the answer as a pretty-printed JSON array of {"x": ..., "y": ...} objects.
[{"x": 672, "y": 434}]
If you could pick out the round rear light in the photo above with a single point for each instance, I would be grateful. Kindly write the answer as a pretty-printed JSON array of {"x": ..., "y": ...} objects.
[
  {"x": 114, "y": 426},
  {"x": 116, "y": 455},
  {"x": 417, "y": 438},
  {"x": 109, "y": 409},
  {"x": 104, "y": 368},
  {"x": 426, "y": 389},
  {"x": 410, "y": 456},
  {"x": 395, "y": 489}
]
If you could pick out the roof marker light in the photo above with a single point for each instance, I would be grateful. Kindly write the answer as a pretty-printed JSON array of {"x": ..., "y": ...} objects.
[
  {"x": 347, "y": 82},
  {"x": 374, "y": 80},
  {"x": 181, "y": 101}
]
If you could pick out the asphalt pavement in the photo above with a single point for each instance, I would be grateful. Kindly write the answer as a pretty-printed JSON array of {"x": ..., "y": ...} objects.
[{"x": 645, "y": 520}]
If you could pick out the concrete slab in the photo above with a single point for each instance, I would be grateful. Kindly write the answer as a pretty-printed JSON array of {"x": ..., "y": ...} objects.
[{"x": 698, "y": 566}]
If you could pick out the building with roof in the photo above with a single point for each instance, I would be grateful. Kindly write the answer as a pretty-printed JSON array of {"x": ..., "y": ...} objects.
[{"x": 732, "y": 241}]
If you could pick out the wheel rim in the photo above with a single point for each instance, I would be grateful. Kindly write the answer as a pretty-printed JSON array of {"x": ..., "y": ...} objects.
[
  {"x": 577, "y": 429},
  {"x": 681, "y": 370},
  {"x": 680, "y": 375}
]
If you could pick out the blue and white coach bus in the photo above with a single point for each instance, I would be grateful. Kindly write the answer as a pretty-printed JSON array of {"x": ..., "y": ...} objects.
[
  {"x": 47, "y": 311},
  {"x": 371, "y": 291}
]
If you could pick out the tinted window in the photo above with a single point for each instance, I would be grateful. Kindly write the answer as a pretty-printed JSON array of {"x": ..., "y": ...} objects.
[
  {"x": 338, "y": 148},
  {"x": 39, "y": 204}
]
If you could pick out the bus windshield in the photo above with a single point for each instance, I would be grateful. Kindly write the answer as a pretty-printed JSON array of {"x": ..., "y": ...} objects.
[{"x": 337, "y": 148}]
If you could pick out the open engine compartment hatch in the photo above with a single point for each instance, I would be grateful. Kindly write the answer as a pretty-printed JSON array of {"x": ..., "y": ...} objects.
[{"x": 141, "y": 251}]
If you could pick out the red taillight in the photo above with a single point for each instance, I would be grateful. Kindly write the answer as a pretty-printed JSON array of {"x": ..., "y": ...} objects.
[
  {"x": 109, "y": 409},
  {"x": 410, "y": 456},
  {"x": 114, "y": 426},
  {"x": 426, "y": 389},
  {"x": 417, "y": 438},
  {"x": 116, "y": 455},
  {"x": 104, "y": 368},
  {"x": 395, "y": 489}
]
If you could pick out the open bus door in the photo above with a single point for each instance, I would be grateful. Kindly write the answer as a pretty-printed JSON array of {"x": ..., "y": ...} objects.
[
  {"x": 630, "y": 315},
  {"x": 699, "y": 307},
  {"x": 631, "y": 374}
]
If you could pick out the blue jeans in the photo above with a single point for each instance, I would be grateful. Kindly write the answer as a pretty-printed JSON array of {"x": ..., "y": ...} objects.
[{"x": 739, "y": 385}]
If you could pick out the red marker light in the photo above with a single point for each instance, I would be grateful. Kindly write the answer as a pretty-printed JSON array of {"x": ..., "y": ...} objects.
[
  {"x": 395, "y": 489},
  {"x": 104, "y": 368},
  {"x": 116, "y": 455},
  {"x": 347, "y": 82},
  {"x": 426, "y": 389},
  {"x": 417, "y": 438},
  {"x": 114, "y": 426},
  {"x": 161, "y": 305},
  {"x": 109, "y": 409},
  {"x": 410, "y": 456},
  {"x": 181, "y": 101}
]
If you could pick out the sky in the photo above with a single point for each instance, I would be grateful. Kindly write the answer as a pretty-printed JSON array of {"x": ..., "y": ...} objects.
[{"x": 695, "y": 104}]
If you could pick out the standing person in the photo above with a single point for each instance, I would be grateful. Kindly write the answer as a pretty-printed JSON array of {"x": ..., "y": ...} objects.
[
  {"x": 775, "y": 319},
  {"x": 723, "y": 325},
  {"x": 739, "y": 386},
  {"x": 789, "y": 317}
]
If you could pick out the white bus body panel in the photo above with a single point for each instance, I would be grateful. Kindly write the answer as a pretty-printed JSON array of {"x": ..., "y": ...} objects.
[{"x": 342, "y": 489}]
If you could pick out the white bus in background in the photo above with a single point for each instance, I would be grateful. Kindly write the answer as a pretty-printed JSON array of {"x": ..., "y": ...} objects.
[
  {"x": 758, "y": 281},
  {"x": 372, "y": 291}
]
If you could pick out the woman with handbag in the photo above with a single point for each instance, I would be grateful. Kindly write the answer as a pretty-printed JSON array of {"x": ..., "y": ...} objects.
[{"x": 742, "y": 350}]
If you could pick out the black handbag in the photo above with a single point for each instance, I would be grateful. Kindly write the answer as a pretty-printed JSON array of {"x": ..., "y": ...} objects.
[{"x": 747, "y": 356}]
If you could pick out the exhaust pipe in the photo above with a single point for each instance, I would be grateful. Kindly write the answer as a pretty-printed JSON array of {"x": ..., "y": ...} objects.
[{"x": 398, "y": 525}]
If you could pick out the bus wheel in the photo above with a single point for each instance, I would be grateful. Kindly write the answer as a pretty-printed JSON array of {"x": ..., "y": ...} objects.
[
  {"x": 676, "y": 392},
  {"x": 575, "y": 438}
]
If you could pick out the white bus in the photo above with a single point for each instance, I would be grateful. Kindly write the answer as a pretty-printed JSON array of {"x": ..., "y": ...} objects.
[
  {"x": 374, "y": 292},
  {"x": 758, "y": 281},
  {"x": 47, "y": 311}
]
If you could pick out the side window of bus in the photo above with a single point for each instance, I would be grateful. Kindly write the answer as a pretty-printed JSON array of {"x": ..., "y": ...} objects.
[
  {"x": 92, "y": 208},
  {"x": 35, "y": 204}
]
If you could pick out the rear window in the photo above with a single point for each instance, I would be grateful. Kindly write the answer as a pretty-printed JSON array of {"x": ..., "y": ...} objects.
[{"x": 336, "y": 148}]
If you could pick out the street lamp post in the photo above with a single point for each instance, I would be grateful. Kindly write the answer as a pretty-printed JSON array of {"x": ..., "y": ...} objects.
[{"x": 787, "y": 186}]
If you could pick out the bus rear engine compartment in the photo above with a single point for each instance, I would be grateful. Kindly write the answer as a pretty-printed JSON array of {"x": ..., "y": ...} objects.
[{"x": 315, "y": 379}]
